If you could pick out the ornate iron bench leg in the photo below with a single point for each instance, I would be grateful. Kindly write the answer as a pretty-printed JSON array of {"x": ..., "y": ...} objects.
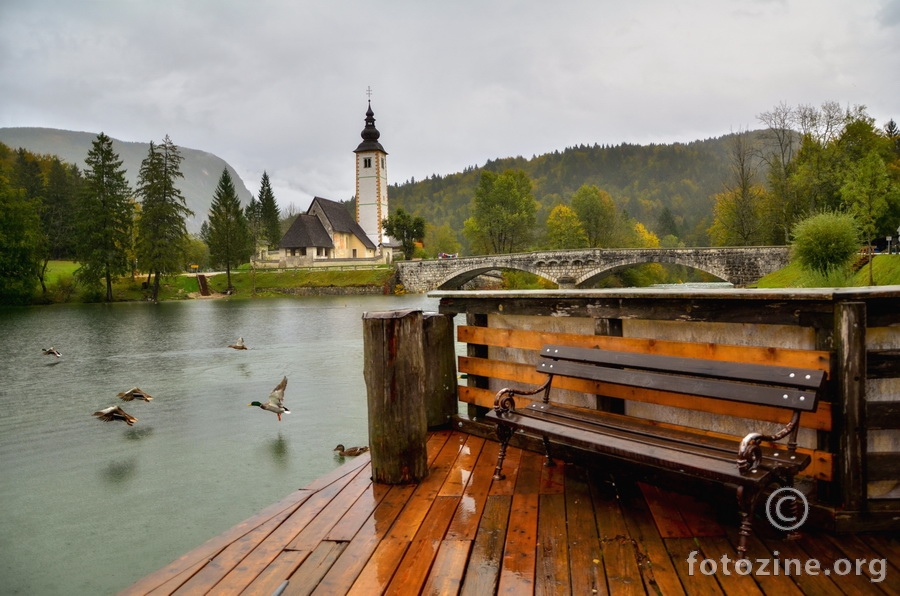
[
  {"x": 746, "y": 504},
  {"x": 548, "y": 461},
  {"x": 794, "y": 534},
  {"x": 504, "y": 433}
]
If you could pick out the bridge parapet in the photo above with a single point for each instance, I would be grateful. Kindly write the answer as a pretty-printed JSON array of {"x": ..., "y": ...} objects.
[{"x": 570, "y": 268}]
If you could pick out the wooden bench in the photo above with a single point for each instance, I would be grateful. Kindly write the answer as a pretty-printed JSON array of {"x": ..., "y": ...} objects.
[{"x": 749, "y": 465}]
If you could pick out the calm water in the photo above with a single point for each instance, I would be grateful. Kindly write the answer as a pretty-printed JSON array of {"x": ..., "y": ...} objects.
[{"x": 88, "y": 507}]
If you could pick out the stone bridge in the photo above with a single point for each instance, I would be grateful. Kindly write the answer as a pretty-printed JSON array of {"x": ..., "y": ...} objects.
[{"x": 573, "y": 268}]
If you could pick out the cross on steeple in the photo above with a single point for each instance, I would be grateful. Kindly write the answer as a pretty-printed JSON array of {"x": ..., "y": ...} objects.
[{"x": 369, "y": 92}]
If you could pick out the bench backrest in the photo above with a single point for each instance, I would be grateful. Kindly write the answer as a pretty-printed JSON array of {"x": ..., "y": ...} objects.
[{"x": 786, "y": 387}]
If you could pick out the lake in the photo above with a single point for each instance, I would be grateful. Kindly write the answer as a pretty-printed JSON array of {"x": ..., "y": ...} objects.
[{"x": 89, "y": 507}]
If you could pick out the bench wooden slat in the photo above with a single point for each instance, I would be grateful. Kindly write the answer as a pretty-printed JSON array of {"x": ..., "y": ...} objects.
[
  {"x": 657, "y": 456},
  {"x": 650, "y": 433},
  {"x": 753, "y": 373},
  {"x": 699, "y": 386}
]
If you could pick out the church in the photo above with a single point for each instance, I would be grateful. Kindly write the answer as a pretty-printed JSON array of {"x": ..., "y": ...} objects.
[{"x": 328, "y": 232}]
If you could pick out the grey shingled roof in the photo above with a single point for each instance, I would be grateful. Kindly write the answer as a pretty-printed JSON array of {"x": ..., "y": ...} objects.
[
  {"x": 306, "y": 230},
  {"x": 342, "y": 221}
]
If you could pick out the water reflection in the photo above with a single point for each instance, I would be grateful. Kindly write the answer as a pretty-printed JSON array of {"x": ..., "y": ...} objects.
[
  {"x": 278, "y": 447},
  {"x": 138, "y": 434},
  {"x": 117, "y": 472}
]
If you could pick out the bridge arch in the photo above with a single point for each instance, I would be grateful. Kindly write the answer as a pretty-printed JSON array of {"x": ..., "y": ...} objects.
[
  {"x": 458, "y": 280},
  {"x": 601, "y": 270}
]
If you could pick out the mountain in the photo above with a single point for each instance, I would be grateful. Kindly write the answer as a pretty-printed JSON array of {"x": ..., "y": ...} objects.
[
  {"x": 658, "y": 184},
  {"x": 201, "y": 169}
]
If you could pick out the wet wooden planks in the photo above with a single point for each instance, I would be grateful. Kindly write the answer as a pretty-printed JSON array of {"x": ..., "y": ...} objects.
[{"x": 563, "y": 529}]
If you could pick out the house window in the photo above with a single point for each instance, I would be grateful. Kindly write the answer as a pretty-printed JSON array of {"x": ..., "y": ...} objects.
[
  {"x": 382, "y": 163},
  {"x": 354, "y": 253},
  {"x": 303, "y": 252},
  {"x": 367, "y": 162},
  {"x": 293, "y": 252}
]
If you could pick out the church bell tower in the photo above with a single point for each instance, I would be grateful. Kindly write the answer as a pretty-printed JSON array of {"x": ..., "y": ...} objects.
[{"x": 371, "y": 182}]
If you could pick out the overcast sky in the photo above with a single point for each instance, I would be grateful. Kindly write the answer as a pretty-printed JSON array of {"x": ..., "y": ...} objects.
[{"x": 280, "y": 85}]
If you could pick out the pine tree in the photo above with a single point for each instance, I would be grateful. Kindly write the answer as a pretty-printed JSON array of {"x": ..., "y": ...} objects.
[
  {"x": 269, "y": 213},
  {"x": 253, "y": 215},
  {"x": 229, "y": 237},
  {"x": 162, "y": 234},
  {"x": 103, "y": 219}
]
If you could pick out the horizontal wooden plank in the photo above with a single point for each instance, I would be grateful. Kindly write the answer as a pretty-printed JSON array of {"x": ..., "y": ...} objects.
[
  {"x": 534, "y": 340},
  {"x": 663, "y": 305},
  {"x": 883, "y": 415},
  {"x": 523, "y": 374},
  {"x": 882, "y": 466},
  {"x": 882, "y": 364}
]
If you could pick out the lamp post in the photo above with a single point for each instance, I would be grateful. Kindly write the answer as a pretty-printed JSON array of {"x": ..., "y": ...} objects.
[{"x": 888, "y": 238}]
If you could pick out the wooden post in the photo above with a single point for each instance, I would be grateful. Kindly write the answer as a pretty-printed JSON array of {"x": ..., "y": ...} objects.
[
  {"x": 394, "y": 370},
  {"x": 439, "y": 349},
  {"x": 850, "y": 345}
]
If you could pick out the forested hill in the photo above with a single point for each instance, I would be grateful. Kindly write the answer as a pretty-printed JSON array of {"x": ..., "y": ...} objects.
[
  {"x": 643, "y": 180},
  {"x": 201, "y": 169}
]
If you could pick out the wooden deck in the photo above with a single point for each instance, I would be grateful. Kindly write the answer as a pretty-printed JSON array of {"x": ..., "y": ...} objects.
[{"x": 560, "y": 530}]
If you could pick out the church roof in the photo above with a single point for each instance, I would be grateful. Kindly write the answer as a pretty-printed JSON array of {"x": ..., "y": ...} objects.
[
  {"x": 341, "y": 220},
  {"x": 306, "y": 230},
  {"x": 370, "y": 134}
]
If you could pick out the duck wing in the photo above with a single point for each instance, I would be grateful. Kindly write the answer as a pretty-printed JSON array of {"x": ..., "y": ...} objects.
[
  {"x": 115, "y": 413},
  {"x": 276, "y": 398},
  {"x": 128, "y": 395}
]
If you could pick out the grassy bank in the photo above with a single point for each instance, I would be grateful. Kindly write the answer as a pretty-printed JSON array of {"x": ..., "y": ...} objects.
[
  {"x": 278, "y": 283},
  {"x": 885, "y": 272},
  {"x": 62, "y": 287}
]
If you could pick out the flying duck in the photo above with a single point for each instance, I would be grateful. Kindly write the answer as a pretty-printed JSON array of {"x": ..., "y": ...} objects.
[
  {"x": 134, "y": 393},
  {"x": 351, "y": 451},
  {"x": 276, "y": 400},
  {"x": 51, "y": 351},
  {"x": 239, "y": 344},
  {"x": 115, "y": 413}
]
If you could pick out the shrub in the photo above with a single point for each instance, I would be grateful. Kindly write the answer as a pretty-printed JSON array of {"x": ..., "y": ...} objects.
[
  {"x": 825, "y": 242},
  {"x": 64, "y": 288}
]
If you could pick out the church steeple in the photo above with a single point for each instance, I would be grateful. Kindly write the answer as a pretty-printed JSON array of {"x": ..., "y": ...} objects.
[
  {"x": 370, "y": 134},
  {"x": 371, "y": 181}
]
